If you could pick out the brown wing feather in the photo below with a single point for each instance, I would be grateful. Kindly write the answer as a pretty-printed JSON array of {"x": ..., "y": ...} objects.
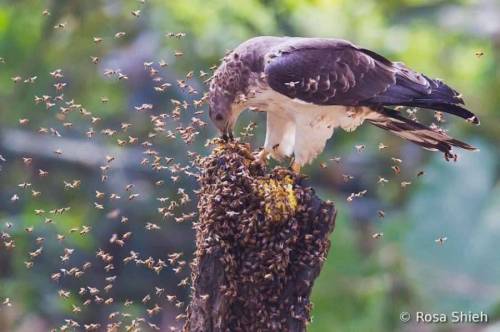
[
  {"x": 335, "y": 72},
  {"x": 334, "y": 75}
]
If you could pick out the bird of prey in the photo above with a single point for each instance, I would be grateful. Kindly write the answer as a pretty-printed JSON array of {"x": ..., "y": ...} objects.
[{"x": 310, "y": 86}]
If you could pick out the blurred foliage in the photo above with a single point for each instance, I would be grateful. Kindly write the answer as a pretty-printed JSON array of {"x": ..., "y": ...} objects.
[{"x": 366, "y": 282}]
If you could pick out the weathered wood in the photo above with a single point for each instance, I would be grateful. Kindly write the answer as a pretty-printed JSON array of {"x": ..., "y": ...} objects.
[{"x": 261, "y": 241}]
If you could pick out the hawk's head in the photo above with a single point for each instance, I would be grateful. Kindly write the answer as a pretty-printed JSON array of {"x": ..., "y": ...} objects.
[
  {"x": 229, "y": 81},
  {"x": 220, "y": 111}
]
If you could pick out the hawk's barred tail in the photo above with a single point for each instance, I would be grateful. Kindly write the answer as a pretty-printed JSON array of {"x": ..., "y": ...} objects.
[{"x": 418, "y": 133}]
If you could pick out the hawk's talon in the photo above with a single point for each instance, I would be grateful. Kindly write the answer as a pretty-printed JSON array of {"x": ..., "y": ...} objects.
[
  {"x": 296, "y": 167},
  {"x": 261, "y": 158}
]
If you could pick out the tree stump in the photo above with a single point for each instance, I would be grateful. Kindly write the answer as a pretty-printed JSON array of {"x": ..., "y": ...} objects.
[{"x": 261, "y": 240}]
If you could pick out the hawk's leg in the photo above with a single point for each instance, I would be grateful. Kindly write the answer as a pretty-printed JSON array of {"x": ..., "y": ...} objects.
[
  {"x": 296, "y": 167},
  {"x": 280, "y": 135}
]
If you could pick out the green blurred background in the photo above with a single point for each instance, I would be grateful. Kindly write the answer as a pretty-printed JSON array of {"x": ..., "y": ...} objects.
[{"x": 366, "y": 282}]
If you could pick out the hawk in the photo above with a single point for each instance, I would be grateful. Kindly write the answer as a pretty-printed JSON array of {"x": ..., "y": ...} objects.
[{"x": 310, "y": 86}]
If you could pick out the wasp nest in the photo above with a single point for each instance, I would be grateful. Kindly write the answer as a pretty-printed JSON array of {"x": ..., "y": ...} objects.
[{"x": 261, "y": 241}]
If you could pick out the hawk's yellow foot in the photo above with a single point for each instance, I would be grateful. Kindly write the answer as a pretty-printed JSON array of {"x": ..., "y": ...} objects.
[{"x": 296, "y": 167}]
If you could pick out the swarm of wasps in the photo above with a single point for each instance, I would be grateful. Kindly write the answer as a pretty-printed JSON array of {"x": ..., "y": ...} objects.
[
  {"x": 70, "y": 278},
  {"x": 266, "y": 263}
]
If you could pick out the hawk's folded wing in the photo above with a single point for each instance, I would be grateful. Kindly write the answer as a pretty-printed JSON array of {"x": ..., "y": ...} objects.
[{"x": 336, "y": 72}]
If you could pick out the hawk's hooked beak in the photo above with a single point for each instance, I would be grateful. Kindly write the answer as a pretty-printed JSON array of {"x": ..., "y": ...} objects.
[
  {"x": 227, "y": 122},
  {"x": 227, "y": 133},
  {"x": 228, "y": 138}
]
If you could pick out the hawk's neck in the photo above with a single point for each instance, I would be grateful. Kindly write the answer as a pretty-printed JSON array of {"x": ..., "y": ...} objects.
[{"x": 243, "y": 68}]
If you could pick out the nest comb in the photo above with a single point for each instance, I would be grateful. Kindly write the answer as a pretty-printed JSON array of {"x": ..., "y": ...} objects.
[{"x": 261, "y": 240}]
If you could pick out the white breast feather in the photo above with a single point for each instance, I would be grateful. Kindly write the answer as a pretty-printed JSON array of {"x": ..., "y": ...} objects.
[{"x": 300, "y": 128}]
